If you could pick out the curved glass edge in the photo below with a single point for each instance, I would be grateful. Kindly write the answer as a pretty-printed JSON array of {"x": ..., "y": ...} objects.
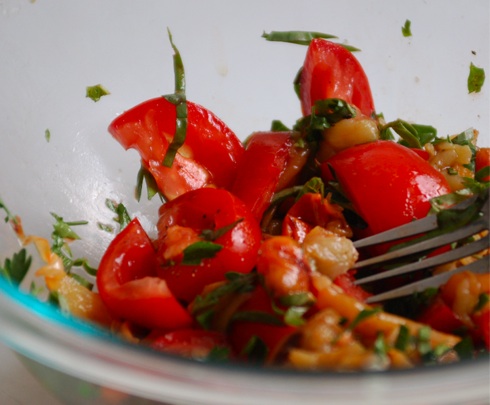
[{"x": 105, "y": 360}]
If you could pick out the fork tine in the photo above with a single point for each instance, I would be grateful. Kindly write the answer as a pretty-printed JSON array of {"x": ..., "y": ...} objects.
[
  {"x": 455, "y": 254},
  {"x": 426, "y": 224},
  {"x": 427, "y": 245},
  {"x": 480, "y": 266}
]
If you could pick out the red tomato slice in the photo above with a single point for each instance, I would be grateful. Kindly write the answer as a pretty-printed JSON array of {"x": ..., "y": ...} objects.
[
  {"x": 482, "y": 159},
  {"x": 346, "y": 282},
  {"x": 441, "y": 317},
  {"x": 211, "y": 209},
  {"x": 193, "y": 343},
  {"x": 482, "y": 326},
  {"x": 208, "y": 157},
  {"x": 265, "y": 161},
  {"x": 388, "y": 184},
  {"x": 129, "y": 287},
  {"x": 309, "y": 211},
  {"x": 331, "y": 71}
]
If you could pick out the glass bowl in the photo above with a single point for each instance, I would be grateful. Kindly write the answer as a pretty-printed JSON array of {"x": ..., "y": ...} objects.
[{"x": 57, "y": 156}]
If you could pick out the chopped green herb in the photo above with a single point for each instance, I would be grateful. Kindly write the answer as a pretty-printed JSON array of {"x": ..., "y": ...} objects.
[
  {"x": 16, "y": 268},
  {"x": 179, "y": 99},
  {"x": 380, "y": 346},
  {"x": 219, "y": 353},
  {"x": 144, "y": 176},
  {"x": 361, "y": 316},
  {"x": 47, "y": 135},
  {"x": 195, "y": 253},
  {"x": 256, "y": 350},
  {"x": 96, "y": 92},
  {"x": 297, "y": 299},
  {"x": 61, "y": 235},
  {"x": 294, "y": 315},
  {"x": 123, "y": 217},
  {"x": 412, "y": 135},
  {"x": 483, "y": 299},
  {"x": 406, "y": 29},
  {"x": 465, "y": 348},
  {"x": 204, "y": 306},
  {"x": 403, "y": 338},
  {"x": 482, "y": 173},
  {"x": 211, "y": 235},
  {"x": 476, "y": 78},
  {"x": 278, "y": 126},
  {"x": 9, "y": 216},
  {"x": 295, "y": 37}
]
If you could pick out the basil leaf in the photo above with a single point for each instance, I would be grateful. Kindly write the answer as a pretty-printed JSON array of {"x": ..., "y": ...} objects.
[
  {"x": 380, "y": 346},
  {"x": 47, "y": 135},
  {"x": 413, "y": 135},
  {"x": 256, "y": 350},
  {"x": 295, "y": 37},
  {"x": 403, "y": 338},
  {"x": 278, "y": 126},
  {"x": 211, "y": 235},
  {"x": 180, "y": 102},
  {"x": 476, "y": 78},
  {"x": 144, "y": 176},
  {"x": 362, "y": 315},
  {"x": 195, "y": 253}
]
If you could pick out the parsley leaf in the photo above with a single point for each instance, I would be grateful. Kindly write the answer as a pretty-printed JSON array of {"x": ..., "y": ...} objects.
[
  {"x": 476, "y": 78},
  {"x": 406, "y": 29},
  {"x": 16, "y": 268},
  {"x": 61, "y": 235},
  {"x": 96, "y": 92}
]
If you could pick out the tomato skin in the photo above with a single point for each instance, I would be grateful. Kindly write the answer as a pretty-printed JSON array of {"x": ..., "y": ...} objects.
[
  {"x": 129, "y": 287},
  {"x": 346, "y": 282},
  {"x": 208, "y": 208},
  {"x": 331, "y": 71},
  {"x": 209, "y": 156},
  {"x": 482, "y": 326},
  {"x": 265, "y": 159},
  {"x": 482, "y": 159},
  {"x": 440, "y": 317},
  {"x": 388, "y": 184},
  {"x": 193, "y": 343}
]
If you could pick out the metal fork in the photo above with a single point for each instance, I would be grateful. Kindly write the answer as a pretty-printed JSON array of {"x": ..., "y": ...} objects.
[{"x": 416, "y": 253}]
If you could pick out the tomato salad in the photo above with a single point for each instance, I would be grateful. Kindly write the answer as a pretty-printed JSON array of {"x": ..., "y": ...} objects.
[{"x": 254, "y": 258}]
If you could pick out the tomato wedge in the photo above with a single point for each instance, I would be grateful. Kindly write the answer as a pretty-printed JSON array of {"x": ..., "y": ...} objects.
[
  {"x": 206, "y": 209},
  {"x": 208, "y": 157},
  {"x": 129, "y": 287},
  {"x": 331, "y": 71},
  {"x": 388, "y": 184},
  {"x": 270, "y": 161},
  {"x": 313, "y": 210},
  {"x": 193, "y": 343}
]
